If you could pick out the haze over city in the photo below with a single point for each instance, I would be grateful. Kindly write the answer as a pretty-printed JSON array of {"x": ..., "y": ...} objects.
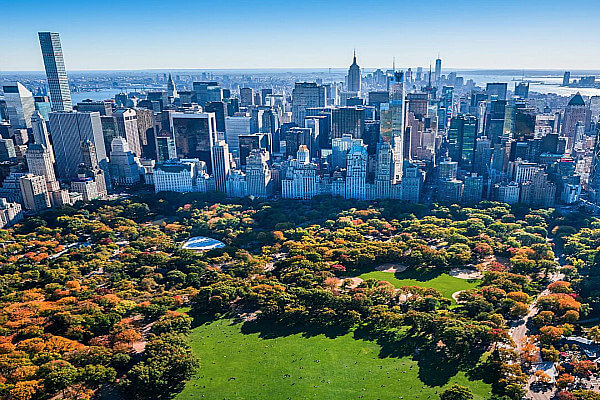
[{"x": 153, "y": 34}]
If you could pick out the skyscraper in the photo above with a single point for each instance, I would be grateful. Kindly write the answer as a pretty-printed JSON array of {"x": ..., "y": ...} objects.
[
  {"x": 354, "y": 76},
  {"x": 34, "y": 192},
  {"x": 496, "y": 91},
  {"x": 392, "y": 123},
  {"x": 246, "y": 97},
  {"x": 69, "y": 130},
  {"x": 19, "y": 105},
  {"x": 40, "y": 163},
  {"x": 356, "y": 174},
  {"x": 127, "y": 127},
  {"x": 220, "y": 164},
  {"x": 40, "y": 133},
  {"x": 438, "y": 69},
  {"x": 60, "y": 94},
  {"x": 195, "y": 134},
  {"x": 124, "y": 165},
  {"x": 306, "y": 95},
  {"x": 575, "y": 112},
  {"x": 171, "y": 89},
  {"x": 348, "y": 120},
  {"x": 258, "y": 174},
  {"x": 461, "y": 139}
]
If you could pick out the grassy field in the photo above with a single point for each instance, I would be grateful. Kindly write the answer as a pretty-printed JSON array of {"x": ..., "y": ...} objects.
[
  {"x": 241, "y": 362},
  {"x": 443, "y": 282}
]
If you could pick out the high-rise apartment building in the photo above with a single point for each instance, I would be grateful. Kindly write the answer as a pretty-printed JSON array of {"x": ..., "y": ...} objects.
[
  {"x": 40, "y": 163},
  {"x": 258, "y": 174},
  {"x": 35, "y": 192},
  {"x": 58, "y": 83}
]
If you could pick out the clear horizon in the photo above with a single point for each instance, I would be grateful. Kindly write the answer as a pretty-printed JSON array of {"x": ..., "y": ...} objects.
[{"x": 204, "y": 35}]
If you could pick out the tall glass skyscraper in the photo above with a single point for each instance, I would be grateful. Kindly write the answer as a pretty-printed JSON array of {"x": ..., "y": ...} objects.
[{"x": 60, "y": 94}]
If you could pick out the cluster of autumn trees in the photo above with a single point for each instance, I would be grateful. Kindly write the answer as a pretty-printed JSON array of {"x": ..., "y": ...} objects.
[
  {"x": 76, "y": 313},
  {"x": 88, "y": 296}
]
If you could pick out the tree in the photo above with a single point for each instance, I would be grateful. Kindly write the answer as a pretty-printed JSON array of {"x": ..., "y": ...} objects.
[
  {"x": 57, "y": 375},
  {"x": 456, "y": 392},
  {"x": 168, "y": 363},
  {"x": 550, "y": 334},
  {"x": 173, "y": 322},
  {"x": 564, "y": 380}
]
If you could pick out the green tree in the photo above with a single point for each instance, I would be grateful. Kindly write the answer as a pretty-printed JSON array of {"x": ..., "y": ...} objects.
[{"x": 456, "y": 392}]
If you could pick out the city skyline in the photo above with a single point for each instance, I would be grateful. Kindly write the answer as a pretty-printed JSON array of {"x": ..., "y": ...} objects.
[{"x": 203, "y": 36}]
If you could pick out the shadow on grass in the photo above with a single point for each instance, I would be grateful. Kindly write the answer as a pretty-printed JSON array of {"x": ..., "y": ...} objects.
[
  {"x": 267, "y": 329},
  {"x": 435, "y": 369},
  {"x": 420, "y": 274}
]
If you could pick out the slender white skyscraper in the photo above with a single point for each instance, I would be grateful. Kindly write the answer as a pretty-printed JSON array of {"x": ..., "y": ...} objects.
[{"x": 60, "y": 94}]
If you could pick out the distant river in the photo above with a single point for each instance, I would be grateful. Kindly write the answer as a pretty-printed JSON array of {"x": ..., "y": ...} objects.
[{"x": 103, "y": 94}]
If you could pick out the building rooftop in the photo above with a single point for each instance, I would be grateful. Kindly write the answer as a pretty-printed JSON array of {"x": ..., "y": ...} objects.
[{"x": 577, "y": 100}]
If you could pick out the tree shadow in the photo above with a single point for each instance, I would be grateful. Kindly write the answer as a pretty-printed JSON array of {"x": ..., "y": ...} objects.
[
  {"x": 268, "y": 329},
  {"x": 435, "y": 369},
  {"x": 420, "y": 274}
]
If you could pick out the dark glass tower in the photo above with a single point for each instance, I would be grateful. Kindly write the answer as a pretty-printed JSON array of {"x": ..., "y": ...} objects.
[
  {"x": 60, "y": 94},
  {"x": 461, "y": 140}
]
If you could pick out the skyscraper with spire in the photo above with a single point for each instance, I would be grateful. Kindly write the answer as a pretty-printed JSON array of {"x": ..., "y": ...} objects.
[
  {"x": 171, "y": 89},
  {"x": 354, "y": 78},
  {"x": 54, "y": 63}
]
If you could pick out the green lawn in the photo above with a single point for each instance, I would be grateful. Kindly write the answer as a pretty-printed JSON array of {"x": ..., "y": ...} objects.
[
  {"x": 443, "y": 282},
  {"x": 272, "y": 363}
]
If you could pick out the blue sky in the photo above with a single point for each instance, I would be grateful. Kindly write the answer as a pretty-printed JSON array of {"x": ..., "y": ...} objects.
[{"x": 144, "y": 34}]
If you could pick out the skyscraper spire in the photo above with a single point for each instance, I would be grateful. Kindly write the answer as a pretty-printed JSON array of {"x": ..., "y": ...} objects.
[
  {"x": 353, "y": 79},
  {"x": 394, "y": 64}
]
